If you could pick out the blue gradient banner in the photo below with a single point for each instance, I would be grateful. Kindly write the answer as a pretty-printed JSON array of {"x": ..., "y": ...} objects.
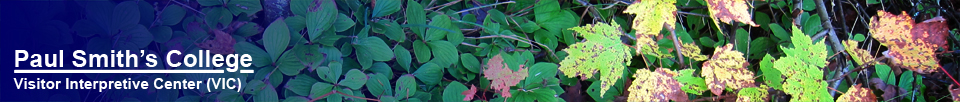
[{"x": 115, "y": 51}]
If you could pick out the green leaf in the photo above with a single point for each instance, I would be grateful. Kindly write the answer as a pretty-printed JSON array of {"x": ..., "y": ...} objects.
[
  {"x": 331, "y": 73},
  {"x": 403, "y": 57},
  {"x": 883, "y": 71},
  {"x": 320, "y": 88},
  {"x": 299, "y": 7},
  {"x": 549, "y": 15},
  {"x": 691, "y": 83},
  {"x": 778, "y": 31},
  {"x": 250, "y": 7},
  {"x": 294, "y": 99},
  {"x": 706, "y": 41},
  {"x": 446, "y": 53},
  {"x": 290, "y": 63},
  {"x": 381, "y": 68},
  {"x": 809, "y": 5},
  {"x": 771, "y": 76},
  {"x": 415, "y": 15},
  {"x": 301, "y": 85},
  {"x": 260, "y": 57},
  {"x": 743, "y": 39},
  {"x": 354, "y": 79},
  {"x": 859, "y": 37},
  {"x": 873, "y": 2},
  {"x": 529, "y": 27},
  {"x": 373, "y": 49},
  {"x": 217, "y": 16},
  {"x": 379, "y": 85},
  {"x": 759, "y": 46},
  {"x": 343, "y": 23},
  {"x": 321, "y": 18},
  {"x": 210, "y": 2},
  {"x": 429, "y": 74},
  {"x": 453, "y": 92},
  {"x": 542, "y": 95},
  {"x": 268, "y": 94},
  {"x": 470, "y": 62},
  {"x": 138, "y": 36},
  {"x": 441, "y": 21},
  {"x": 172, "y": 15},
  {"x": 392, "y": 30},
  {"x": 125, "y": 16},
  {"x": 541, "y": 71},
  {"x": 386, "y": 7},
  {"x": 391, "y": 99},
  {"x": 906, "y": 81},
  {"x": 275, "y": 38},
  {"x": 421, "y": 51},
  {"x": 161, "y": 34},
  {"x": 406, "y": 86}
]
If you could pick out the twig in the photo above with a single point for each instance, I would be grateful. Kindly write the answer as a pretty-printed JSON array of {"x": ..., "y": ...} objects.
[
  {"x": 828, "y": 25},
  {"x": 676, "y": 43},
  {"x": 714, "y": 98},
  {"x": 692, "y": 14},
  {"x": 484, "y": 6},
  {"x": 188, "y": 7},
  {"x": 444, "y": 5},
  {"x": 523, "y": 40}
]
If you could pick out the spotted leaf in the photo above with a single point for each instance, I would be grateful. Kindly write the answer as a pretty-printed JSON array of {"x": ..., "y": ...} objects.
[
  {"x": 501, "y": 76},
  {"x": 801, "y": 66},
  {"x": 857, "y": 94},
  {"x": 602, "y": 51},
  {"x": 658, "y": 85},
  {"x": 648, "y": 24},
  {"x": 728, "y": 11},
  {"x": 911, "y": 45},
  {"x": 727, "y": 68},
  {"x": 860, "y": 56}
]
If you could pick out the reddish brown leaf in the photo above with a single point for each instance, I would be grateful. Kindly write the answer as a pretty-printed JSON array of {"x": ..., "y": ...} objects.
[
  {"x": 728, "y": 11},
  {"x": 222, "y": 43},
  {"x": 727, "y": 68},
  {"x": 911, "y": 45},
  {"x": 501, "y": 76},
  {"x": 468, "y": 95},
  {"x": 858, "y": 94},
  {"x": 658, "y": 85}
]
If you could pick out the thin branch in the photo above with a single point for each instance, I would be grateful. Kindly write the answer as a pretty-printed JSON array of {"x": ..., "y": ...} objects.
[
  {"x": 484, "y": 6},
  {"x": 676, "y": 43},
  {"x": 188, "y": 7},
  {"x": 523, "y": 40},
  {"x": 715, "y": 98},
  {"x": 443, "y": 6},
  {"x": 828, "y": 25},
  {"x": 692, "y": 14}
]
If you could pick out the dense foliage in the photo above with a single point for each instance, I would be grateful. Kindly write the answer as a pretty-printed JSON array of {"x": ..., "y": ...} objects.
[{"x": 550, "y": 50}]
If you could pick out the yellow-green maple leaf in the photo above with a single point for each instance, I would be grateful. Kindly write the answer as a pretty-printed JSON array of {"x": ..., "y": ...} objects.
[
  {"x": 728, "y": 11},
  {"x": 602, "y": 51},
  {"x": 658, "y": 86},
  {"x": 727, "y": 69},
  {"x": 857, "y": 94},
  {"x": 652, "y": 16},
  {"x": 860, "y": 56},
  {"x": 801, "y": 66},
  {"x": 753, "y": 94}
]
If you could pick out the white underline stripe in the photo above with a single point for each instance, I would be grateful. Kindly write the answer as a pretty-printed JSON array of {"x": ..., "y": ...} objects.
[
  {"x": 124, "y": 71},
  {"x": 246, "y": 71}
]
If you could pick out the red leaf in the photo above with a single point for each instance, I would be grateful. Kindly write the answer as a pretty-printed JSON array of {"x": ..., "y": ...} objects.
[{"x": 470, "y": 93}]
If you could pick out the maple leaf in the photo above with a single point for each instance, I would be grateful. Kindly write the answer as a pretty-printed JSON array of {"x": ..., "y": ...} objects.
[
  {"x": 727, "y": 68},
  {"x": 730, "y": 10},
  {"x": 753, "y": 94},
  {"x": 801, "y": 66},
  {"x": 911, "y": 45},
  {"x": 648, "y": 24},
  {"x": 222, "y": 43},
  {"x": 860, "y": 56},
  {"x": 693, "y": 51},
  {"x": 602, "y": 51},
  {"x": 468, "y": 95},
  {"x": 658, "y": 85},
  {"x": 857, "y": 94},
  {"x": 501, "y": 76}
]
